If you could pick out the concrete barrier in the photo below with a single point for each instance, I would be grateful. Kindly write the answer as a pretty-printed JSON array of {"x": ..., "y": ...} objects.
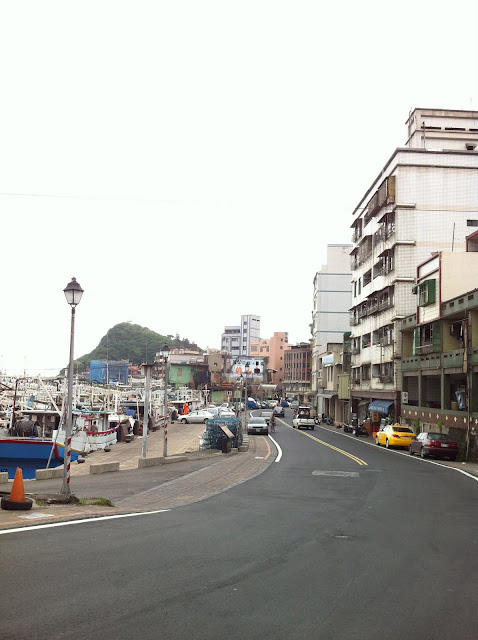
[
  {"x": 46, "y": 474},
  {"x": 171, "y": 459},
  {"x": 104, "y": 467},
  {"x": 3, "y": 477},
  {"x": 149, "y": 462}
]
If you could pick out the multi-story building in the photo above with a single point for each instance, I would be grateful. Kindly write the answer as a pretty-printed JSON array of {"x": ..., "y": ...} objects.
[
  {"x": 439, "y": 372},
  {"x": 236, "y": 340},
  {"x": 330, "y": 315},
  {"x": 297, "y": 363},
  {"x": 425, "y": 199},
  {"x": 273, "y": 349}
]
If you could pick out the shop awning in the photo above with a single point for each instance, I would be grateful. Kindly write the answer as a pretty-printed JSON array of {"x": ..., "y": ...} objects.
[
  {"x": 381, "y": 406},
  {"x": 326, "y": 395}
]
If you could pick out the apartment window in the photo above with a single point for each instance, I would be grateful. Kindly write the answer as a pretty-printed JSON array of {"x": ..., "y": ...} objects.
[
  {"x": 359, "y": 287},
  {"x": 427, "y": 338},
  {"x": 365, "y": 372},
  {"x": 426, "y": 293},
  {"x": 472, "y": 223},
  {"x": 367, "y": 277}
]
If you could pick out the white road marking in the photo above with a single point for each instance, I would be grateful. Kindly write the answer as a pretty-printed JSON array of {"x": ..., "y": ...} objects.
[
  {"x": 64, "y": 524},
  {"x": 336, "y": 474},
  {"x": 279, "y": 450}
]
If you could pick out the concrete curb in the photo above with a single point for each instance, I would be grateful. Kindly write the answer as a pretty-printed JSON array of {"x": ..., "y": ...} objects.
[
  {"x": 104, "y": 467},
  {"x": 47, "y": 474}
]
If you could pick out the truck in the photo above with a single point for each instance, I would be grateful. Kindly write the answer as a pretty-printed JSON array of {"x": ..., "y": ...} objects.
[{"x": 303, "y": 419}]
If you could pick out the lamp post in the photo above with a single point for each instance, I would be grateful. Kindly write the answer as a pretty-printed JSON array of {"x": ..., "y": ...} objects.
[
  {"x": 73, "y": 293},
  {"x": 165, "y": 356}
]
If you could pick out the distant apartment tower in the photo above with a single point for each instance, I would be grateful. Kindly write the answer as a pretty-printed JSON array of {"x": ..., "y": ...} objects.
[
  {"x": 273, "y": 348},
  {"x": 331, "y": 305},
  {"x": 236, "y": 340},
  {"x": 424, "y": 200},
  {"x": 297, "y": 372}
]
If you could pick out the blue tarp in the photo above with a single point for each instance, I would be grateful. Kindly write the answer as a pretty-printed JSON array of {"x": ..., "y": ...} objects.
[{"x": 381, "y": 406}]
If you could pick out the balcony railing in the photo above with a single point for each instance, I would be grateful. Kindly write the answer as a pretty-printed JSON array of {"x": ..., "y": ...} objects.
[{"x": 385, "y": 304}]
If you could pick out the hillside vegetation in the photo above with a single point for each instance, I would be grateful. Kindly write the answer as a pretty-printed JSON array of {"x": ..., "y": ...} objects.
[{"x": 126, "y": 341}]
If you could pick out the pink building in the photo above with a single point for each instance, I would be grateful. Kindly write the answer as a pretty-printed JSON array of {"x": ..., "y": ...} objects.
[{"x": 273, "y": 349}]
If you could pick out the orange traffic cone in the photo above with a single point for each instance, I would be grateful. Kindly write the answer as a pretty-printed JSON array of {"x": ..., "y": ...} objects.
[{"x": 17, "y": 498}]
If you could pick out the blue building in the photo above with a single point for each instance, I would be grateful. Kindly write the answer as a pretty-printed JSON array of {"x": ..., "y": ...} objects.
[{"x": 108, "y": 371}]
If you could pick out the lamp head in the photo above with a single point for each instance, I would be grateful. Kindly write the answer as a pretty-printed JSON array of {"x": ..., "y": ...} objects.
[
  {"x": 73, "y": 292},
  {"x": 164, "y": 351}
]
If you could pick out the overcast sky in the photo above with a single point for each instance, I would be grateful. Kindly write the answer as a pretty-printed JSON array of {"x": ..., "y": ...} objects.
[{"x": 189, "y": 161}]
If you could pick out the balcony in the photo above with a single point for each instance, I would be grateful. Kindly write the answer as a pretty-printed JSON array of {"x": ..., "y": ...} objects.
[
  {"x": 373, "y": 306},
  {"x": 355, "y": 350},
  {"x": 432, "y": 361},
  {"x": 453, "y": 359},
  {"x": 411, "y": 364},
  {"x": 385, "y": 304},
  {"x": 353, "y": 320}
]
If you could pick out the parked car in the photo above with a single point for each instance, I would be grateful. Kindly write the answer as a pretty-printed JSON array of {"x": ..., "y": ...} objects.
[
  {"x": 266, "y": 414},
  {"x": 225, "y": 413},
  {"x": 256, "y": 425},
  {"x": 294, "y": 404},
  {"x": 394, "y": 435},
  {"x": 196, "y": 416},
  {"x": 438, "y": 445},
  {"x": 279, "y": 411}
]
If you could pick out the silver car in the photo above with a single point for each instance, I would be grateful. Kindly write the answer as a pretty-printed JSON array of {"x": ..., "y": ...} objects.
[
  {"x": 196, "y": 416},
  {"x": 257, "y": 425}
]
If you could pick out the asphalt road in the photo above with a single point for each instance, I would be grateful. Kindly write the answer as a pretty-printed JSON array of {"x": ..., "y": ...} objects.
[{"x": 321, "y": 545}]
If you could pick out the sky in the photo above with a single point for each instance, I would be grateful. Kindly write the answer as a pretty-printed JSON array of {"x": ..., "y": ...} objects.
[{"x": 189, "y": 161}]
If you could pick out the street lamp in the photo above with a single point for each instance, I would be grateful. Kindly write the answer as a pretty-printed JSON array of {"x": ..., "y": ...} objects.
[
  {"x": 164, "y": 353},
  {"x": 73, "y": 293}
]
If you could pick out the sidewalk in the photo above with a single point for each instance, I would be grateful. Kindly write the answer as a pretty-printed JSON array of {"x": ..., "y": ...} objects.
[
  {"x": 469, "y": 467},
  {"x": 131, "y": 490}
]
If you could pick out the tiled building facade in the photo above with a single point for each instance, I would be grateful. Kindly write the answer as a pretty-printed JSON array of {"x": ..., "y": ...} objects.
[{"x": 425, "y": 199}]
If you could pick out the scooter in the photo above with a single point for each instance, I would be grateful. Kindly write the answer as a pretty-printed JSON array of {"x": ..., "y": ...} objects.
[
  {"x": 360, "y": 430},
  {"x": 348, "y": 428}
]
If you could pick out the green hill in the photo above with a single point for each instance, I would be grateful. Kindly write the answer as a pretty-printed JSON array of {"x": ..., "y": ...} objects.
[{"x": 126, "y": 341}]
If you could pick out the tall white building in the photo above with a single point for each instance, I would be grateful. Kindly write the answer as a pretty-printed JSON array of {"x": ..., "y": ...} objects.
[
  {"x": 236, "y": 340},
  {"x": 330, "y": 315},
  {"x": 425, "y": 199}
]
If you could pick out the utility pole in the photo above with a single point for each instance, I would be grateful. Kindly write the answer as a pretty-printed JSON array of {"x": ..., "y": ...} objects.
[{"x": 147, "y": 371}]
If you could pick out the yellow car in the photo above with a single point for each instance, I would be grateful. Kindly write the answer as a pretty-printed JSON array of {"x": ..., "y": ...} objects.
[{"x": 394, "y": 435}]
